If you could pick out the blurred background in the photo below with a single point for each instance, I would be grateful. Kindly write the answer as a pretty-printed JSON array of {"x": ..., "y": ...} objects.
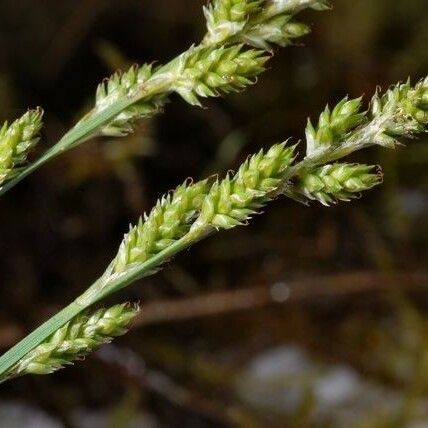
[{"x": 309, "y": 317}]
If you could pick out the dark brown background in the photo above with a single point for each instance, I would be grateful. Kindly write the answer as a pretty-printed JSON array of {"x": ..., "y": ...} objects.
[{"x": 354, "y": 274}]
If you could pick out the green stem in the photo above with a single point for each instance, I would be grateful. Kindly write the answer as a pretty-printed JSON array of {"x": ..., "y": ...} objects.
[
  {"x": 75, "y": 136},
  {"x": 11, "y": 357},
  {"x": 108, "y": 285},
  {"x": 99, "y": 290},
  {"x": 159, "y": 83},
  {"x": 92, "y": 122}
]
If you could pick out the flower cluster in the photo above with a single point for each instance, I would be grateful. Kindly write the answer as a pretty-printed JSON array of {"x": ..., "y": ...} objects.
[
  {"x": 168, "y": 221},
  {"x": 279, "y": 30},
  {"x": 227, "y": 18},
  {"x": 76, "y": 339},
  {"x": 335, "y": 182},
  {"x": 401, "y": 112},
  {"x": 334, "y": 125},
  {"x": 217, "y": 66},
  {"x": 212, "y": 72},
  {"x": 195, "y": 210},
  {"x": 224, "y": 204},
  {"x": 405, "y": 108},
  {"x": 259, "y": 23},
  {"x": 229, "y": 58},
  {"x": 233, "y": 200},
  {"x": 276, "y": 7},
  {"x": 121, "y": 85},
  {"x": 16, "y": 141}
]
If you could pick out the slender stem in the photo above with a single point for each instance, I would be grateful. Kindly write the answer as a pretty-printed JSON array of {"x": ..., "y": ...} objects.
[
  {"x": 159, "y": 83},
  {"x": 75, "y": 136},
  {"x": 11, "y": 357},
  {"x": 100, "y": 289},
  {"x": 110, "y": 283},
  {"x": 103, "y": 288}
]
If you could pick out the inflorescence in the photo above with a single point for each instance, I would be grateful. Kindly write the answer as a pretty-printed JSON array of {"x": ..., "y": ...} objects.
[
  {"x": 222, "y": 63},
  {"x": 195, "y": 210}
]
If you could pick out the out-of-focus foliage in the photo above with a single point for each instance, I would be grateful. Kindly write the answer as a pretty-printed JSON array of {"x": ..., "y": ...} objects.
[{"x": 370, "y": 344}]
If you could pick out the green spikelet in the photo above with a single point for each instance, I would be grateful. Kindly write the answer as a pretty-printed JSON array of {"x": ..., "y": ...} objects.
[
  {"x": 16, "y": 141},
  {"x": 278, "y": 7},
  {"x": 334, "y": 125},
  {"x": 199, "y": 72},
  {"x": 123, "y": 85},
  {"x": 279, "y": 30},
  {"x": 74, "y": 340},
  {"x": 226, "y": 18},
  {"x": 235, "y": 199},
  {"x": 217, "y": 66},
  {"x": 257, "y": 23},
  {"x": 406, "y": 107},
  {"x": 401, "y": 112},
  {"x": 194, "y": 211},
  {"x": 336, "y": 182},
  {"x": 168, "y": 221},
  {"x": 212, "y": 72}
]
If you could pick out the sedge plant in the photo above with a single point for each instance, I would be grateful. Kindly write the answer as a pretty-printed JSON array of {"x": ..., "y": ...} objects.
[
  {"x": 197, "y": 210},
  {"x": 238, "y": 42}
]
